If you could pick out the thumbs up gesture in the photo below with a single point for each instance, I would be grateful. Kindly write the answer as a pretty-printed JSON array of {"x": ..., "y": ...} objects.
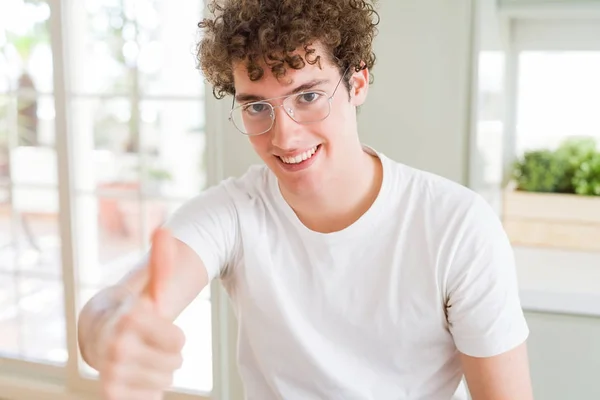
[{"x": 141, "y": 349}]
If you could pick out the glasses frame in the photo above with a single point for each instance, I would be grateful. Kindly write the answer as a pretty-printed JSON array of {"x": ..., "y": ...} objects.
[{"x": 267, "y": 102}]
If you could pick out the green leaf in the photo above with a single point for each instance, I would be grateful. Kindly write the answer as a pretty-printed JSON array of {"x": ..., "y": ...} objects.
[{"x": 572, "y": 168}]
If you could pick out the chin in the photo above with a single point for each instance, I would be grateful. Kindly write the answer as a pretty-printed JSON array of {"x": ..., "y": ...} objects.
[
  {"x": 300, "y": 188},
  {"x": 300, "y": 184}
]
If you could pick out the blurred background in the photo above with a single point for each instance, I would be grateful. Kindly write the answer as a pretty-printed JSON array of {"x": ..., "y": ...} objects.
[{"x": 106, "y": 127}]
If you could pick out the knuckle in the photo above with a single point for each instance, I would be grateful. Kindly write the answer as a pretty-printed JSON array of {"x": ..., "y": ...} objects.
[
  {"x": 119, "y": 349},
  {"x": 176, "y": 362},
  {"x": 179, "y": 361},
  {"x": 179, "y": 338},
  {"x": 126, "y": 323},
  {"x": 145, "y": 303}
]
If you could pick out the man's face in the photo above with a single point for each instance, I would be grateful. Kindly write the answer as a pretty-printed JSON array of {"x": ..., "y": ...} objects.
[{"x": 305, "y": 156}]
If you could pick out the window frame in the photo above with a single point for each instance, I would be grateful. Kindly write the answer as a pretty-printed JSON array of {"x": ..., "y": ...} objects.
[{"x": 66, "y": 382}]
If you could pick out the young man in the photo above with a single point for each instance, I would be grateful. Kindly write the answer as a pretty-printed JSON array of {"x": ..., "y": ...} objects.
[{"x": 353, "y": 276}]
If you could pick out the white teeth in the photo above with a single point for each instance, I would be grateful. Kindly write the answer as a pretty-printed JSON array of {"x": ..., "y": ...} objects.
[{"x": 300, "y": 157}]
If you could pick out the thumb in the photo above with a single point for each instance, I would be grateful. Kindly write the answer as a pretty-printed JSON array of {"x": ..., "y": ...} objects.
[{"x": 161, "y": 265}]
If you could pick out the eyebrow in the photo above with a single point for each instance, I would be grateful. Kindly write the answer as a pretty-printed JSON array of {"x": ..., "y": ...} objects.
[{"x": 246, "y": 97}]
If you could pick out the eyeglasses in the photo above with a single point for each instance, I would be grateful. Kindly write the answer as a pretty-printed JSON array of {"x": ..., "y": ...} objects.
[{"x": 258, "y": 117}]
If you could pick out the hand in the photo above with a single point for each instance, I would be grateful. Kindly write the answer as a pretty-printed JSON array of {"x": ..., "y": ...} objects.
[{"x": 140, "y": 348}]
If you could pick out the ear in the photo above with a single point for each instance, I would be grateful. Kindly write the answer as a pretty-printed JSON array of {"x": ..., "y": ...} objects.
[{"x": 359, "y": 87}]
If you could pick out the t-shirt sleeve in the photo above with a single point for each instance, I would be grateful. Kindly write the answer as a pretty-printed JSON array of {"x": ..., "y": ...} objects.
[
  {"x": 208, "y": 224},
  {"x": 483, "y": 306}
]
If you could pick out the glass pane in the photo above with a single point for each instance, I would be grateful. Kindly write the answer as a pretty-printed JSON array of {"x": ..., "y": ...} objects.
[
  {"x": 135, "y": 46},
  {"x": 558, "y": 97},
  {"x": 196, "y": 373},
  {"x": 173, "y": 147},
  {"x": 7, "y": 252},
  {"x": 36, "y": 220},
  {"x": 33, "y": 160},
  {"x": 105, "y": 146},
  {"x": 7, "y": 110},
  {"x": 9, "y": 322},
  {"x": 25, "y": 54},
  {"x": 103, "y": 46},
  {"x": 109, "y": 238},
  {"x": 156, "y": 212},
  {"x": 35, "y": 120},
  {"x": 167, "y": 38},
  {"x": 29, "y": 232},
  {"x": 32, "y": 324},
  {"x": 41, "y": 314}
]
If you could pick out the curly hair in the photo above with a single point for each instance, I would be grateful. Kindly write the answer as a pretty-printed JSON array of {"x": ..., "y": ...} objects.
[{"x": 268, "y": 33}]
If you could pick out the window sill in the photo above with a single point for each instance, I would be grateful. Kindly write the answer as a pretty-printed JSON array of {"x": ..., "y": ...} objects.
[
  {"x": 559, "y": 281},
  {"x": 12, "y": 388}
]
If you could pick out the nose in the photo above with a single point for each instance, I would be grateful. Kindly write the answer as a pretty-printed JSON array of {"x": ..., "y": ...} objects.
[{"x": 285, "y": 133}]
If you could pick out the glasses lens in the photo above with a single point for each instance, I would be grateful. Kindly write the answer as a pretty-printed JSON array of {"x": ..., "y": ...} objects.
[
  {"x": 307, "y": 107},
  {"x": 253, "y": 118}
]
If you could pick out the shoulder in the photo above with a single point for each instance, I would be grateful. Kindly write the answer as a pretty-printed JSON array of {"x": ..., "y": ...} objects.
[
  {"x": 431, "y": 191},
  {"x": 457, "y": 225},
  {"x": 455, "y": 211}
]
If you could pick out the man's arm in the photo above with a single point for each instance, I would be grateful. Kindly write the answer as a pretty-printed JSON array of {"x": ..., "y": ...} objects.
[
  {"x": 502, "y": 377},
  {"x": 484, "y": 311},
  {"x": 182, "y": 286}
]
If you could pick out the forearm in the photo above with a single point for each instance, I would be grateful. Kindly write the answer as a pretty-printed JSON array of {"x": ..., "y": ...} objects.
[{"x": 504, "y": 376}]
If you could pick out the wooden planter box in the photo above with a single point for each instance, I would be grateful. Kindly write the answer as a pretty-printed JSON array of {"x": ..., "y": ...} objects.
[{"x": 565, "y": 221}]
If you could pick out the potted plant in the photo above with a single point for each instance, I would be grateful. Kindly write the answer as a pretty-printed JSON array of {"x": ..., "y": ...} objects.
[{"x": 553, "y": 198}]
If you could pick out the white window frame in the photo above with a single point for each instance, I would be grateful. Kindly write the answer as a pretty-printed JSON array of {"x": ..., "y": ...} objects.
[{"x": 66, "y": 383}]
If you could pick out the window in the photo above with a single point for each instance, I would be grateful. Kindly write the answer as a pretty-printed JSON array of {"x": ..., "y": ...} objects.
[
  {"x": 538, "y": 84},
  {"x": 131, "y": 150},
  {"x": 559, "y": 97},
  {"x": 558, "y": 82}
]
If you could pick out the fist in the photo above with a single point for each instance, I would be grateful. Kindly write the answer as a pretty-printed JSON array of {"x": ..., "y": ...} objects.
[{"x": 141, "y": 350}]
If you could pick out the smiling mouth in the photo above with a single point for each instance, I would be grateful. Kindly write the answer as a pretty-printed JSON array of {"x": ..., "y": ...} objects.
[{"x": 300, "y": 157}]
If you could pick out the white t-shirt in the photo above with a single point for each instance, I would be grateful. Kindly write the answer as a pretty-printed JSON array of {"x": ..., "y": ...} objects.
[{"x": 376, "y": 311}]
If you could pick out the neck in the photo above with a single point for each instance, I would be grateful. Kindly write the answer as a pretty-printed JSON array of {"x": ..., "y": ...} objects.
[{"x": 344, "y": 199}]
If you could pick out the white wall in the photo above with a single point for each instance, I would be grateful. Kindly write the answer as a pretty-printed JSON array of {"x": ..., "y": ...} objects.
[
  {"x": 564, "y": 352},
  {"x": 418, "y": 108}
]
